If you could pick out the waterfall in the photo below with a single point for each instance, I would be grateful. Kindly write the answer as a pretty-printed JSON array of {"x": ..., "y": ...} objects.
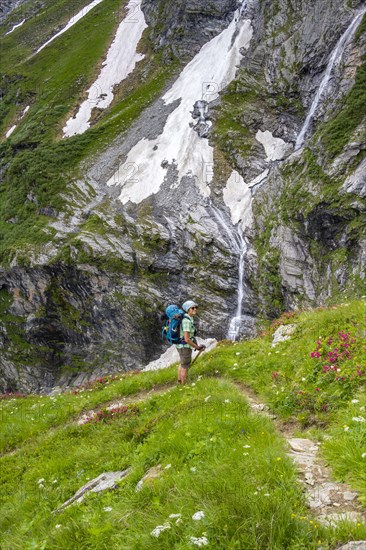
[
  {"x": 240, "y": 247},
  {"x": 335, "y": 59}
]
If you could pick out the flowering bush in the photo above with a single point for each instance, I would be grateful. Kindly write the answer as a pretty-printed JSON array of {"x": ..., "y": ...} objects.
[
  {"x": 10, "y": 395},
  {"x": 337, "y": 365},
  {"x": 333, "y": 376}
]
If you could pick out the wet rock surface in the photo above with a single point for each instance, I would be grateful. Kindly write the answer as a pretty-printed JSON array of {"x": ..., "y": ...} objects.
[{"x": 184, "y": 26}]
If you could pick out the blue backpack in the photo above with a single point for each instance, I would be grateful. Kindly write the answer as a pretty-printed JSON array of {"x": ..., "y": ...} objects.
[{"x": 173, "y": 320}]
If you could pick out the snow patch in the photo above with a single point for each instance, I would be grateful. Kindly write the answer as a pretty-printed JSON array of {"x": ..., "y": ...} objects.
[
  {"x": 171, "y": 355},
  {"x": 15, "y": 27},
  {"x": 9, "y": 132},
  {"x": 238, "y": 197},
  {"x": 71, "y": 22},
  {"x": 275, "y": 148},
  {"x": 144, "y": 170},
  {"x": 120, "y": 62}
]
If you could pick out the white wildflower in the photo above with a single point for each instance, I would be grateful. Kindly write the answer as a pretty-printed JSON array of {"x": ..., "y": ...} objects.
[
  {"x": 193, "y": 384},
  {"x": 355, "y": 401},
  {"x": 363, "y": 455},
  {"x": 208, "y": 397},
  {"x": 167, "y": 467},
  {"x": 107, "y": 509},
  {"x": 246, "y": 446},
  {"x": 179, "y": 521},
  {"x": 266, "y": 494},
  {"x": 199, "y": 541},
  {"x": 235, "y": 364},
  {"x": 346, "y": 428},
  {"x": 238, "y": 353},
  {"x": 227, "y": 401},
  {"x": 172, "y": 516},
  {"x": 303, "y": 379},
  {"x": 359, "y": 419},
  {"x": 362, "y": 409},
  {"x": 245, "y": 454},
  {"x": 198, "y": 515},
  {"x": 41, "y": 480},
  {"x": 159, "y": 529},
  {"x": 58, "y": 526},
  {"x": 193, "y": 469}
]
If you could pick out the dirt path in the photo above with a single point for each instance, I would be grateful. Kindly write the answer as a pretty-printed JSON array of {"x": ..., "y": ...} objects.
[
  {"x": 329, "y": 501},
  {"x": 122, "y": 401}
]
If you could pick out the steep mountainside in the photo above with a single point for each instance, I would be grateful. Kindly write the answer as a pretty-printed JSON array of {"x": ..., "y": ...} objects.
[{"x": 196, "y": 176}]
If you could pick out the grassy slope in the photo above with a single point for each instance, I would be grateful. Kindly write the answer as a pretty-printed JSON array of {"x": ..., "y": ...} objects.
[
  {"x": 243, "y": 481},
  {"x": 53, "y": 84}
]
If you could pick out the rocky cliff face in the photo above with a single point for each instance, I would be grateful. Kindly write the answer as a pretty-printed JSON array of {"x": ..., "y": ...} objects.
[{"x": 88, "y": 302}]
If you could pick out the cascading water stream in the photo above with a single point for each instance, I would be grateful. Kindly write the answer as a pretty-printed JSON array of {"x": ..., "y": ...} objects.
[
  {"x": 240, "y": 247},
  {"x": 334, "y": 60}
]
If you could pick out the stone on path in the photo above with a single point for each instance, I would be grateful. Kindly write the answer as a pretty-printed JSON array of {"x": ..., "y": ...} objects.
[
  {"x": 354, "y": 545},
  {"x": 304, "y": 461},
  {"x": 332, "y": 520},
  {"x": 348, "y": 495},
  {"x": 108, "y": 480},
  {"x": 302, "y": 445}
]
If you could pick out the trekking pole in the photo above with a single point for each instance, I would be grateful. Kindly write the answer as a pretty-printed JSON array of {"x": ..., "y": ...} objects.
[{"x": 197, "y": 356}]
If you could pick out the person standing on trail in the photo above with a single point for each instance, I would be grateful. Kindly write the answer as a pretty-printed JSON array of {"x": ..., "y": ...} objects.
[{"x": 187, "y": 334}]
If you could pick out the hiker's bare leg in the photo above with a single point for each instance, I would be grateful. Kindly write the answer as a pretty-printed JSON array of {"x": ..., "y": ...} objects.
[
  {"x": 183, "y": 375},
  {"x": 179, "y": 374}
]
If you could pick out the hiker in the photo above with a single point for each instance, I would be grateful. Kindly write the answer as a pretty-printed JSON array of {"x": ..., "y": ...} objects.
[{"x": 187, "y": 333}]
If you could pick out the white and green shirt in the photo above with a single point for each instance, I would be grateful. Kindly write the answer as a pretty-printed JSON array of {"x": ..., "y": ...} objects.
[{"x": 187, "y": 326}]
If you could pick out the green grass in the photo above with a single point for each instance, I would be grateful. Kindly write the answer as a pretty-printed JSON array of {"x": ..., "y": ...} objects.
[
  {"x": 242, "y": 478},
  {"x": 243, "y": 481},
  {"x": 336, "y": 133}
]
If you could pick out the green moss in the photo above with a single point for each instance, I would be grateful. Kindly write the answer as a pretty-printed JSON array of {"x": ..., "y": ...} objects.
[{"x": 336, "y": 133}]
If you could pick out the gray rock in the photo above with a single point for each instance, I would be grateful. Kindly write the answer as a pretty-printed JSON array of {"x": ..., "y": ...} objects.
[
  {"x": 332, "y": 520},
  {"x": 304, "y": 461},
  {"x": 354, "y": 545},
  {"x": 107, "y": 480},
  {"x": 152, "y": 474},
  {"x": 349, "y": 495},
  {"x": 282, "y": 333},
  {"x": 356, "y": 183},
  {"x": 302, "y": 445}
]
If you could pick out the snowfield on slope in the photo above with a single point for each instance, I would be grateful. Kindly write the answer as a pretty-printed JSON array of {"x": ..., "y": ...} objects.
[
  {"x": 144, "y": 170},
  {"x": 71, "y": 22},
  {"x": 120, "y": 62}
]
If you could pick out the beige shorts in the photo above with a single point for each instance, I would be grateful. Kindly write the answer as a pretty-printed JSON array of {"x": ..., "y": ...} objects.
[{"x": 185, "y": 355}]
